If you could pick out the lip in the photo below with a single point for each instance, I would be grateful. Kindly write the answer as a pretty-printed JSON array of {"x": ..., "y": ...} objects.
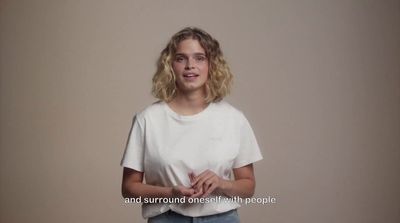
[{"x": 190, "y": 75}]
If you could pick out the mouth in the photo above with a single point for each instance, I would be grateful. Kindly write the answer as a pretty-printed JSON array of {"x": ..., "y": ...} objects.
[{"x": 190, "y": 75}]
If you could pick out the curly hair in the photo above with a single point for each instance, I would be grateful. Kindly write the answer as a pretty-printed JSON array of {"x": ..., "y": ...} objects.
[{"x": 220, "y": 77}]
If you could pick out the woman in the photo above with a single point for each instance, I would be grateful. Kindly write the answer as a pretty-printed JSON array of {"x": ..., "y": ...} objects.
[{"x": 187, "y": 144}]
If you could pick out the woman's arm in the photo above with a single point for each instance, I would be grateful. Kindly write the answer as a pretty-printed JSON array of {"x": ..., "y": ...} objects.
[
  {"x": 133, "y": 186},
  {"x": 243, "y": 185}
]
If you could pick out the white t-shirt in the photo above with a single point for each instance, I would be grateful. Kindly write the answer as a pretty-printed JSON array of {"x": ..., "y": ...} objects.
[{"x": 167, "y": 147}]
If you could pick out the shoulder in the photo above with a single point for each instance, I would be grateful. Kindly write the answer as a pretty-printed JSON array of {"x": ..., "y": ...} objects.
[
  {"x": 225, "y": 109},
  {"x": 226, "y": 106},
  {"x": 153, "y": 110}
]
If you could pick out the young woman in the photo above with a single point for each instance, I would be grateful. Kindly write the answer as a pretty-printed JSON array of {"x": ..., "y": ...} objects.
[{"x": 187, "y": 144}]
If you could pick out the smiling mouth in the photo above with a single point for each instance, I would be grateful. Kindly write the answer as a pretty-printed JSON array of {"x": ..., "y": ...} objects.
[{"x": 190, "y": 75}]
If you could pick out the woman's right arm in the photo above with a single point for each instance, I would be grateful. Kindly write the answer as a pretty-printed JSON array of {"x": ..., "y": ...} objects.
[{"x": 133, "y": 187}]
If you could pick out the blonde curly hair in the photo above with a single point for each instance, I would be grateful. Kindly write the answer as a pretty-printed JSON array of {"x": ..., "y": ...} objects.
[{"x": 220, "y": 77}]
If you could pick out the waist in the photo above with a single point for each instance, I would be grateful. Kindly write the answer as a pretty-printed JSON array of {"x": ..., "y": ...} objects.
[{"x": 171, "y": 216}]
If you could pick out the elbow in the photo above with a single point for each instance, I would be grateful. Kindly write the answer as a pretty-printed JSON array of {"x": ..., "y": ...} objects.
[
  {"x": 248, "y": 194},
  {"x": 127, "y": 191},
  {"x": 131, "y": 183},
  {"x": 124, "y": 193},
  {"x": 251, "y": 194},
  {"x": 246, "y": 189},
  {"x": 251, "y": 189}
]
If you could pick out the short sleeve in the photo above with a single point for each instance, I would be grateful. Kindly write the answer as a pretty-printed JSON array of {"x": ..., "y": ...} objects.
[
  {"x": 249, "y": 151},
  {"x": 134, "y": 152}
]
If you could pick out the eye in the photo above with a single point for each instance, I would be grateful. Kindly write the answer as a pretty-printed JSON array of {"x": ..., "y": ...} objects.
[
  {"x": 200, "y": 58},
  {"x": 179, "y": 59}
]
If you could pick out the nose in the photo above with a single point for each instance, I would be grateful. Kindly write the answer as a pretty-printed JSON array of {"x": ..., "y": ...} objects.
[{"x": 189, "y": 64}]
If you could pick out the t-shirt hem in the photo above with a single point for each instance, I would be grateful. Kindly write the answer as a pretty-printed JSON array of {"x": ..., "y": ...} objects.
[
  {"x": 247, "y": 162},
  {"x": 134, "y": 167}
]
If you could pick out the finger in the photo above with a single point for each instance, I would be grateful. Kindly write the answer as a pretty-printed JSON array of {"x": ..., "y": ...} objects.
[
  {"x": 197, "y": 194},
  {"x": 204, "y": 175},
  {"x": 204, "y": 179},
  {"x": 200, "y": 176},
  {"x": 210, "y": 190},
  {"x": 198, "y": 188},
  {"x": 191, "y": 177},
  {"x": 207, "y": 184},
  {"x": 187, "y": 192}
]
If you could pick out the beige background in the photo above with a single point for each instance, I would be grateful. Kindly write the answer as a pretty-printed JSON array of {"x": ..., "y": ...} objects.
[{"x": 318, "y": 80}]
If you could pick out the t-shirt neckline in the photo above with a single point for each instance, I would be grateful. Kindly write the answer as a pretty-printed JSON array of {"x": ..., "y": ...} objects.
[{"x": 178, "y": 116}]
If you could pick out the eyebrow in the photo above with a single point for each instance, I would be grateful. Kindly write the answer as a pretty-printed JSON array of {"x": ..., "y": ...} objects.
[{"x": 195, "y": 54}]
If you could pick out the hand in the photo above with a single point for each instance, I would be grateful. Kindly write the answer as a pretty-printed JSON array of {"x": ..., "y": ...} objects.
[
  {"x": 206, "y": 182},
  {"x": 182, "y": 191},
  {"x": 198, "y": 192}
]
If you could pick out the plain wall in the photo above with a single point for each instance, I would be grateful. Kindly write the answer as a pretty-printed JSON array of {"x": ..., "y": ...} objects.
[{"x": 318, "y": 80}]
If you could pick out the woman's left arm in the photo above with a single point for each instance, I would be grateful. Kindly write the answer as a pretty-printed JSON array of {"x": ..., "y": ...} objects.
[{"x": 243, "y": 185}]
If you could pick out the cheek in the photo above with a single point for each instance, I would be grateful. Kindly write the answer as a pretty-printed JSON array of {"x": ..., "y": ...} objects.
[
  {"x": 206, "y": 73},
  {"x": 176, "y": 67},
  {"x": 205, "y": 69}
]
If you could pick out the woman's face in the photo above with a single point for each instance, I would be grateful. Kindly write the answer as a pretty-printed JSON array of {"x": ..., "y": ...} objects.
[{"x": 190, "y": 65}]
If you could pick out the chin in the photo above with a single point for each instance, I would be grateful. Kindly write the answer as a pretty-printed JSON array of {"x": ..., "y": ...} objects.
[{"x": 193, "y": 88}]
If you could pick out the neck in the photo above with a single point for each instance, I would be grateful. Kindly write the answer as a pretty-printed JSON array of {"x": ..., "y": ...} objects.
[{"x": 188, "y": 104}]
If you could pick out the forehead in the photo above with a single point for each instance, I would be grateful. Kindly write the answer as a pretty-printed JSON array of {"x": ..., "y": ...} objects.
[{"x": 189, "y": 46}]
